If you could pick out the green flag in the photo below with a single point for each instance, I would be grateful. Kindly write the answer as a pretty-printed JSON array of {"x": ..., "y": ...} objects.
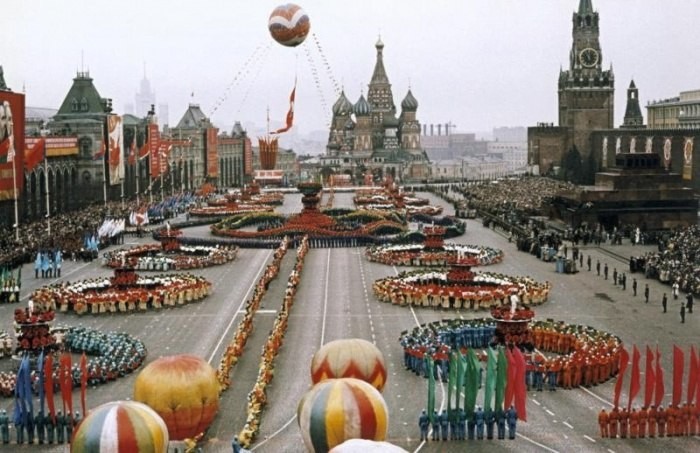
[
  {"x": 501, "y": 373},
  {"x": 431, "y": 386},
  {"x": 459, "y": 364},
  {"x": 491, "y": 369},
  {"x": 451, "y": 383},
  {"x": 472, "y": 383}
]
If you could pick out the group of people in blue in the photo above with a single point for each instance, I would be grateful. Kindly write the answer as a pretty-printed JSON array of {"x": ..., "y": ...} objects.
[
  {"x": 48, "y": 263},
  {"x": 461, "y": 426},
  {"x": 43, "y": 428}
]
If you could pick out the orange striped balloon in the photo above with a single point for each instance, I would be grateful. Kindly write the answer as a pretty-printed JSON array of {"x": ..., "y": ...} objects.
[
  {"x": 351, "y": 357},
  {"x": 121, "y": 427},
  {"x": 289, "y": 25},
  {"x": 336, "y": 410}
]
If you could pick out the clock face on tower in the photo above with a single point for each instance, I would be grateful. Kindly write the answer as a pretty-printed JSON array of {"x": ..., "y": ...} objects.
[{"x": 588, "y": 57}]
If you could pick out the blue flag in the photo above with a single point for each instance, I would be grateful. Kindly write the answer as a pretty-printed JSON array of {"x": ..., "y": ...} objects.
[{"x": 40, "y": 371}]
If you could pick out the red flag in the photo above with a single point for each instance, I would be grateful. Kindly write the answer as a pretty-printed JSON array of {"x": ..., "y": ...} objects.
[
  {"x": 634, "y": 377},
  {"x": 692, "y": 375},
  {"x": 34, "y": 156},
  {"x": 290, "y": 113},
  {"x": 83, "y": 381},
  {"x": 144, "y": 151},
  {"x": 678, "y": 366},
  {"x": 650, "y": 376},
  {"x": 132, "y": 152},
  {"x": 624, "y": 358},
  {"x": 66, "y": 382},
  {"x": 519, "y": 389},
  {"x": 510, "y": 381},
  {"x": 48, "y": 385},
  {"x": 660, "y": 389}
]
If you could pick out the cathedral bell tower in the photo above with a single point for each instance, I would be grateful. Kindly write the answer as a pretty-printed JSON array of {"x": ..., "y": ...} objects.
[{"x": 586, "y": 90}]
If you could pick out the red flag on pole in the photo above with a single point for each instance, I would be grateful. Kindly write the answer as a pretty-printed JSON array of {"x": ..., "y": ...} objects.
[
  {"x": 650, "y": 376},
  {"x": 692, "y": 375},
  {"x": 83, "y": 381},
  {"x": 634, "y": 378},
  {"x": 659, "y": 384},
  {"x": 34, "y": 155},
  {"x": 519, "y": 389},
  {"x": 48, "y": 385},
  {"x": 624, "y": 358},
  {"x": 290, "y": 113},
  {"x": 678, "y": 366},
  {"x": 132, "y": 152}
]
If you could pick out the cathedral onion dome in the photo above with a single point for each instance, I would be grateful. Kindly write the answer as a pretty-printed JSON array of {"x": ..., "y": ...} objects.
[
  {"x": 342, "y": 106},
  {"x": 237, "y": 130},
  {"x": 362, "y": 107},
  {"x": 409, "y": 103}
]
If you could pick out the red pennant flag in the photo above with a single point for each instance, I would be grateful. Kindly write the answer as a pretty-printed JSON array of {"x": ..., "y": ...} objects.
[
  {"x": 290, "y": 113},
  {"x": 34, "y": 156},
  {"x": 48, "y": 385},
  {"x": 692, "y": 375},
  {"x": 650, "y": 377},
  {"x": 634, "y": 377},
  {"x": 678, "y": 366},
  {"x": 660, "y": 389},
  {"x": 519, "y": 390},
  {"x": 100, "y": 154},
  {"x": 144, "y": 151},
  {"x": 624, "y": 358},
  {"x": 510, "y": 381},
  {"x": 83, "y": 381}
]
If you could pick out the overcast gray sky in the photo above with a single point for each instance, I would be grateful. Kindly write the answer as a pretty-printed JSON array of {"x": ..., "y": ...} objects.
[{"x": 478, "y": 63}]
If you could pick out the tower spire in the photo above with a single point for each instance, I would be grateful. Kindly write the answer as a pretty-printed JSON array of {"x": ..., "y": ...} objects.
[
  {"x": 585, "y": 7},
  {"x": 379, "y": 74}
]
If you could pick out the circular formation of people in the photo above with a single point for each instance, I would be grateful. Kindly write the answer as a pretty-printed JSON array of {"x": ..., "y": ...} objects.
[
  {"x": 109, "y": 295},
  {"x": 420, "y": 256},
  {"x": 151, "y": 257}
]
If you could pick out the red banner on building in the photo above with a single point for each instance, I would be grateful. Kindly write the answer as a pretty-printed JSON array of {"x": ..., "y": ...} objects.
[
  {"x": 115, "y": 134},
  {"x": 153, "y": 147},
  {"x": 212, "y": 152},
  {"x": 247, "y": 157},
  {"x": 11, "y": 144}
]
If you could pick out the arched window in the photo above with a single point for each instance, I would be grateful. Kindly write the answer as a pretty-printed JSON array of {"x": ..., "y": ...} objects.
[
  {"x": 74, "y": 105},
  {"x": 84, "y": 105}
]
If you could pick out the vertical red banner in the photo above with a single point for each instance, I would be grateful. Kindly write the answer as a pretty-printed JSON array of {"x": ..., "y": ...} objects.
[
  {"x": 11, "y": 144},
  {"x": 624, "y": 358},
  {"x": 659, "y": 384},
  {"x": 678, "y": 366},
  {"x": 153, "y": 148},
  {"x": 212, "y": 152},
  {"x": 650, "y": 378},
  {"x": 635, "y": 384},
  {"x": 693, "y": 375}
]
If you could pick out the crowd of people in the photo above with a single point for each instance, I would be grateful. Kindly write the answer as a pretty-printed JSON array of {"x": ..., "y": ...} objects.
[
  {"x": 651, "y": 422},
  {"x": 152, "y": 257},
  {"x": 676, "y": 262},
  {"x": 482, "y": 424}
]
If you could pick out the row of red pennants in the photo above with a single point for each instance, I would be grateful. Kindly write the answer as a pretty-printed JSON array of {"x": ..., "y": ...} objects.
[
  {"x": 654, "y": 387},
  {"x": 504, "y": 383},
  {"x": 24, "y": 407}
]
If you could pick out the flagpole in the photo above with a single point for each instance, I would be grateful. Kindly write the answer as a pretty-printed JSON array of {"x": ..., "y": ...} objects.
[
  {"x": 138, "y": 168},
  {"x": 105, "y": 142},
  {"x": 14, "y": 186},
  {"x": 48, "y": 203}
]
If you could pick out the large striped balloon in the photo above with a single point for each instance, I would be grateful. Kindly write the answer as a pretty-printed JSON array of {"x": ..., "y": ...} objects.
[
  {"x": 336, "y": 410},
  {"x": 352, "y": 357},
  {"x": 289, "y": 25},
  {"x": 366, "y": 446},
  {"x": 121, "y": 427}
]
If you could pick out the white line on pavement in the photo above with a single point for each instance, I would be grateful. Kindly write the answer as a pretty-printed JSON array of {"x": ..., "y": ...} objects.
[
  {"x": 567, "y": 424},
  {"x": 596, "y": 396},
  {"x": 243, "y": 301},
  {"x": 549, "y": 412},
  {"x": 536, "y": 443},
  {"x": 589, "y": 438}
]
